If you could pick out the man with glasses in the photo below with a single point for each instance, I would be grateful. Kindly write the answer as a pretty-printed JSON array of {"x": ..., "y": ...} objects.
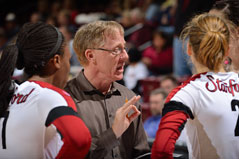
[{"x": 117, "y": 131}]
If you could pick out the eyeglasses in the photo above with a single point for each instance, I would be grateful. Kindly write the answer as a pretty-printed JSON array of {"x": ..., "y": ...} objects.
[{"x": 116, "y": 51}]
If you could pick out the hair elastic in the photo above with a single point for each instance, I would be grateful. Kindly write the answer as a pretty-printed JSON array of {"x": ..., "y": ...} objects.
[{"x": 58, "y": 43}]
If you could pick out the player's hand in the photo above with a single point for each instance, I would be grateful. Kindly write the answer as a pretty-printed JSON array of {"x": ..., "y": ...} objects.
[{"x": 122, "y": 120}]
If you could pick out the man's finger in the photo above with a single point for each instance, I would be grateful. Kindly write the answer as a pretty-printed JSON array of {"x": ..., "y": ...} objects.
[
  {"x": 131, "y": 109},
  {"x": 132, "y": 101},
  {"x": 134, "y": 115}
]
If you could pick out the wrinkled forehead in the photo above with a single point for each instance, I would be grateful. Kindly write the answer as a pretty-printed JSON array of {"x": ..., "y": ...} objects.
[
  {"x": 113, "y": 32},
  {"x": 113, "y": 35}
]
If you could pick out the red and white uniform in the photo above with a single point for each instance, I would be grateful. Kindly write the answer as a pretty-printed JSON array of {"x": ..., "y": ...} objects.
[
  {"x": 209, "y": 102},
  {"x": 42, "y": 123}
]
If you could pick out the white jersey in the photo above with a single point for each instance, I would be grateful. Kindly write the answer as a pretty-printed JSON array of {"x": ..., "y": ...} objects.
[
  {"x": 27, "y": 132},
  {"x": 214, "y": 102}
]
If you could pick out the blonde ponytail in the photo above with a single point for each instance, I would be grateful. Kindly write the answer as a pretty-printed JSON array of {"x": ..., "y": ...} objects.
[{"x": 209, "y": 37}]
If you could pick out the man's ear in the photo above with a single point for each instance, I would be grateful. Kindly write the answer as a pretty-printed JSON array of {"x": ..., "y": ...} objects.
[
  {"x": 90, "y": 56},
  {"x": 189, "y": 49}
]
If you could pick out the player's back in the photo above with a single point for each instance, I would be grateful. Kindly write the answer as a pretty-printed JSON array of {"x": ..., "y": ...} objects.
[
  {"x": 23, "y": 131},
  {"x": 214, "y": 101}
]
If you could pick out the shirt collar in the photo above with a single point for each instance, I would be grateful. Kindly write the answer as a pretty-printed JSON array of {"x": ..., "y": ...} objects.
[{"x": 89, "y": 89}]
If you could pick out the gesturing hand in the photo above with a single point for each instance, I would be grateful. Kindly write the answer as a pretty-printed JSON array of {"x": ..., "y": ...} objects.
[{"x": 122, "y": 120}]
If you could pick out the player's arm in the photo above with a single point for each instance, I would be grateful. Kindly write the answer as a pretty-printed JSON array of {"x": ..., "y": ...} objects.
[
  {"x": 175, "y": 115},
  {"x": 74, "y": 134}
]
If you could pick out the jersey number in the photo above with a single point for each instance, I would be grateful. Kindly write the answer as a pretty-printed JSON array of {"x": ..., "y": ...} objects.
[
  {"x": 4, "y": 130},
  {"x": 235, "y": 103}
]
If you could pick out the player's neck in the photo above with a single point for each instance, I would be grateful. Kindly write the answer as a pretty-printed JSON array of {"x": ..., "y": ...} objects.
[
  {"x": 201, "y": 68},
  {"x": 42, "y": 79}
]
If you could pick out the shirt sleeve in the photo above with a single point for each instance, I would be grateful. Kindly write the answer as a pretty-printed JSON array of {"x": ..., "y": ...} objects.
[
  {"x": 168, "y": 132},
  {"x": 175, "y": 115},
  {"x": 60, "y": 112},
  {"x": 187, "y": 95},
  {"x": 74, "y": 133}
]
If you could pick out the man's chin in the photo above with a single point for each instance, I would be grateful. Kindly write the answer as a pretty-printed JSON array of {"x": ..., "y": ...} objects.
[{"x": 118, "y": 77}]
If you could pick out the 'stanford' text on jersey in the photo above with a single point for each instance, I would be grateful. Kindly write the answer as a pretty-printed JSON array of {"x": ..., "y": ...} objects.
[{"x": 213, "y": 127}]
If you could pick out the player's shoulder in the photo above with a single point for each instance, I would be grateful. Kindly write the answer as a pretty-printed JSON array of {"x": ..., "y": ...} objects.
[
  {"x": 208, "y": 76},
  {"x": 198, "y": 81},
  {"x": 187, "y": 88},
  {"x": 207, "y": 81},
  {"x": 48, "y": 93},
  {"x": 192, "y": 82}
]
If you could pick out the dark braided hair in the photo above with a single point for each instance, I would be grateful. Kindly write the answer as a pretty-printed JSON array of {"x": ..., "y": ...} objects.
[
  {"x": 230, "y": 9},
  {"x": 36, "y": 44},
  {"x": 8, "y": 58}
]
